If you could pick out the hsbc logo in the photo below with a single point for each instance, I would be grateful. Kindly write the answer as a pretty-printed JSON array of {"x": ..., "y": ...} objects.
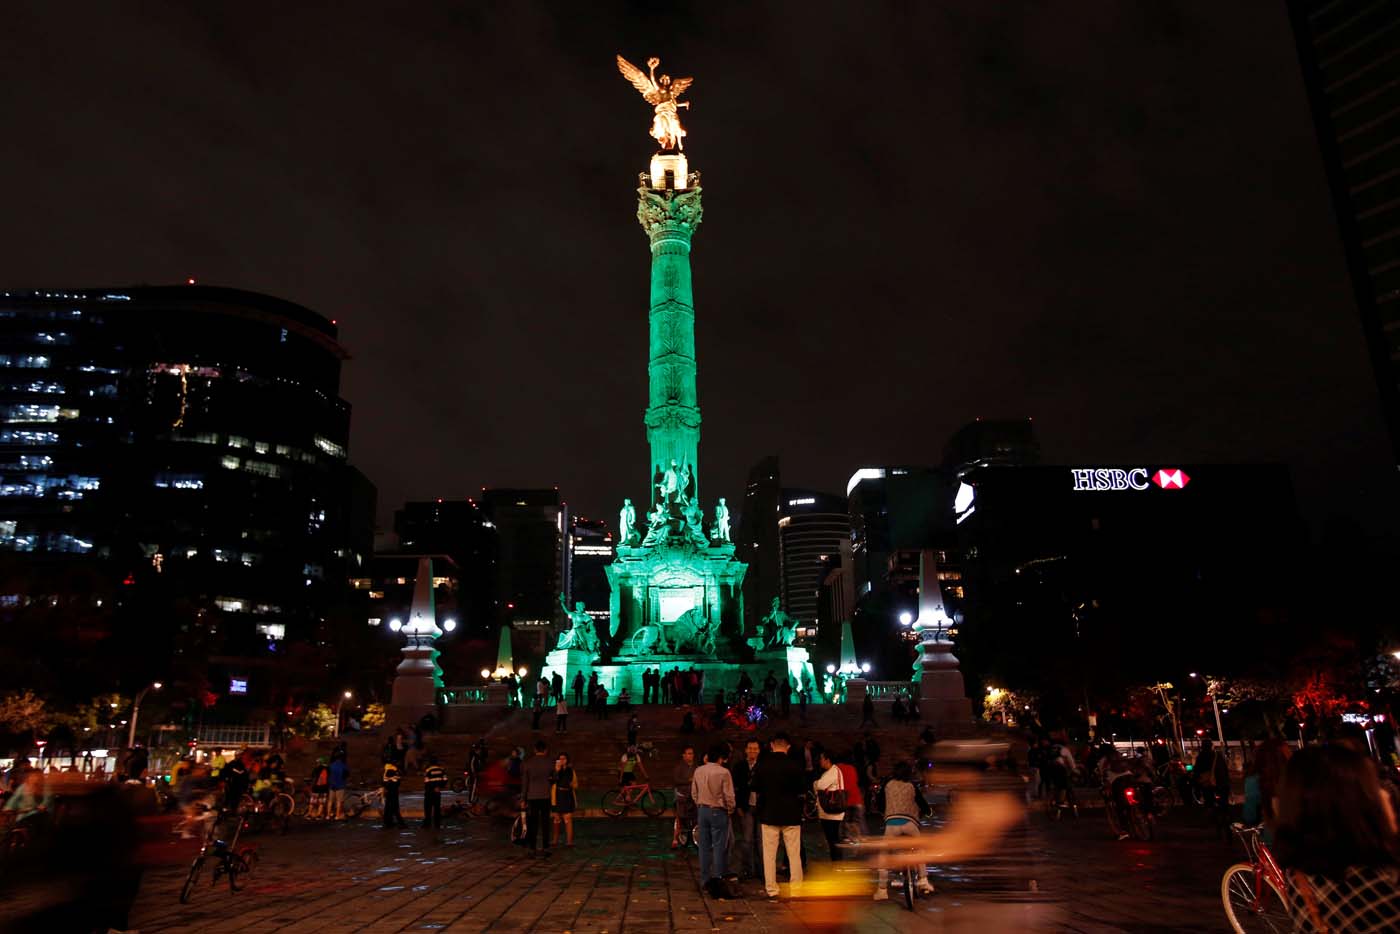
[{"x": 1116, "y": 478}]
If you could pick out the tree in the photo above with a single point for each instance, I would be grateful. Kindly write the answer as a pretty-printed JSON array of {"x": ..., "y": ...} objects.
[
  {"x": 314, "y": 723},
  {"x": 374, "y": 716},
  {"x": 23, "y": 713}
]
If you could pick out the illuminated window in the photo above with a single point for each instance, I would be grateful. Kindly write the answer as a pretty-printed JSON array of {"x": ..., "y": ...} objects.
[
  {"x": 179, "y": 481},
  {"x": 262, "y": 469},
  {"x": 376, "y": 595},
  {"x": 261, "y": 447},
  {"x": 361, "y": 583},
  {"x": 43, "y": 388},
  {"x": 20, "y": 436},
  {"x": 329, "y": 446},
  {"x": 251, "y": 559},
  {"x": 236, "y": 441},
  {"x": 230, "y": 604},
  {"x": 376, "y": 620},
  {"x": 274, "y": 631},
  {"x": 25, "y": 361},
  {"x": 64, "y": 543},
  {"x": 27, "y": 412}
]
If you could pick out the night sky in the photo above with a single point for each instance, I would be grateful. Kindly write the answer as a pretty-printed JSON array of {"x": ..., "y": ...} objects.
[{"x": 1111, "y": 217}]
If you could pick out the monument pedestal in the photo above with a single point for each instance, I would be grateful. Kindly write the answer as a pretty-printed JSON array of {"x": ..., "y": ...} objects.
[
  {"x": 943, "y": 700},
  {"x": 794, "y": 660},
  {"x": 416, "y": 682},
  {"x": 568, "y": 663}
]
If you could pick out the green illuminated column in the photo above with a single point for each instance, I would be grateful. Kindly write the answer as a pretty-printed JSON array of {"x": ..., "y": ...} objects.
[{"x": 670, "y": 215}]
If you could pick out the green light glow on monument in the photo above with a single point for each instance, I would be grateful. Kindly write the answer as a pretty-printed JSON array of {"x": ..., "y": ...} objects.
[{"x": 677, "y": 597}]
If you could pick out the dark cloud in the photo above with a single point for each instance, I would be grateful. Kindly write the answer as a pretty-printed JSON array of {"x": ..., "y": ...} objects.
[{"x": 1111, "y": 217}]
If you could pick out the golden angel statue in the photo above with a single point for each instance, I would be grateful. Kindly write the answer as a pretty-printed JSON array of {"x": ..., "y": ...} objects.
[{"x": 662, "y": 93}]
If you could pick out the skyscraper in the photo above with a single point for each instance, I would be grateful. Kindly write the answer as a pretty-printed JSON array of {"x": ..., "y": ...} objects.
[
  {"x": 530, "y": 525},
  {"x": 756, "y": 538},
  {"x": 811, "y": 529},
  {"x": 1350, "y": 54}
]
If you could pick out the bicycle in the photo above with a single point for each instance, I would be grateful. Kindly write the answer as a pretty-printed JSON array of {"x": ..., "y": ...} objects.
[
  {"x": 467, "y": 785},
  {"x": 276, "y": 808},
  {"x": 1255, "y": 892},
  {"x": 362, "y": 799},
  {"x": 230, "y": 860},
  {"x": 618, "y": 801}
]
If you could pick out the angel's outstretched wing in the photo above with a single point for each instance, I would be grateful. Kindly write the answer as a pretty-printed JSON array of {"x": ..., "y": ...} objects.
[
  {"x": 680, "y": 84},
  {"x": 640, "y": 79}
]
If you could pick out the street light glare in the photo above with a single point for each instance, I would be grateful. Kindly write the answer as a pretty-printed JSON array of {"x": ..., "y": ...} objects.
[
  {"x": 157, "y": 685},
  {"x": 396, "y": 624},
  {"x": 348, "y": 694},
  {"x": 448, "y": 625}
]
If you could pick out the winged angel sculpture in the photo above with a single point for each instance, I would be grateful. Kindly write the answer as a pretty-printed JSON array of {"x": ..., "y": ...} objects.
[{"x": 662, "y": 93}]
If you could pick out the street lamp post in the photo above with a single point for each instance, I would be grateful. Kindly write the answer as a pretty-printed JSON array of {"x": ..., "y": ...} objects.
[
  {"x": 136, "y": 712},
  {"x": 345, "y": 696}
]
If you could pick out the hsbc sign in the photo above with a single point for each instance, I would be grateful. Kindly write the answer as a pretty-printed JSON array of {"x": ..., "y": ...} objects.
[{"x": 1116, "y": 478}]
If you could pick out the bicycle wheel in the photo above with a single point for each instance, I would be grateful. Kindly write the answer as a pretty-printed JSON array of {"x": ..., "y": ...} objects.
[
  {"x": 301, "y": 802},
  {"x": 1139, "y": 824},
  {"x": 459, "y": 785},
  {"x": 653, "y": 803},
  {"x": 909, "y": 887},
  {"x": 282, "y": 806},
  {"x": 237, "y": 872},
  {"x": 1111, "y": 812},
  {"x": 1268, "y": 916},
  {"x": 191, "y": 880},
  {"x": 614, "y": 804}
]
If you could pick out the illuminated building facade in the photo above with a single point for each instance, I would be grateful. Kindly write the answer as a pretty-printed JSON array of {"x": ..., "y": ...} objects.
[
  {"x": 811, "y": 529},
  {"x": 176, "y": 446}
]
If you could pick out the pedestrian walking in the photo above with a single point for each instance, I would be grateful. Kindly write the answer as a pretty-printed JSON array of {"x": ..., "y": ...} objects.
[
  {"x": 830, "y": 787},
  {"x": 665, "y": 687},
  {"x": 904, "y": 805},
  {"x": 536, "y": 713},
  {"x": 712, "y": 788},
  {"x": 434, "y": 781},
  {"x": 770, "y": 689},
  {"x": 634, "y": 727},
  {"x": 561, "y": 715},
  {"x": 556, "y": 683},
  {"x": 564, "y": 799},
  {"x": 578, "y": 689},
  {"x": 392, "y": 817},
  {"x": 854, "y": 827},
  {"x": 541, "y": 692},
  {"x": 780, "y": 786},
  {"x": 535, "y": 789}
]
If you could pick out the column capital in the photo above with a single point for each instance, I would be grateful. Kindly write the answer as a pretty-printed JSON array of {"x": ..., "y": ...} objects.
[{"x": 668, "y": 214}]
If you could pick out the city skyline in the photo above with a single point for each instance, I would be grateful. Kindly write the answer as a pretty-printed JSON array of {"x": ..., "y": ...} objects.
[{"x": 1113, "y": 259}]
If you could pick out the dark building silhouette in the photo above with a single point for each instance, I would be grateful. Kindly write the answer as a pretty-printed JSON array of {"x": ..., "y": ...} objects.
[
  {"x": 988, "y": 441},
  {"x": 530, "y": 575},
  {"x": 459, "y": 529},
  {"x": 756, "y": 539},
  {"x": 173, "y": 460},
  {"x": 1350, "y": 55}
]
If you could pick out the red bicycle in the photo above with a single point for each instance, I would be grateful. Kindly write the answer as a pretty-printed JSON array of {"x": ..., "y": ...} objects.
[
  {"x": 1255, "y": 893},
  {"x": 619, "y": 801}
]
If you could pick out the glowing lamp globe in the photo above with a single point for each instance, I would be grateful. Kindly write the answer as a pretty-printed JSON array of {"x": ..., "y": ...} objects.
[
  {"x": 831, "y": 669},
  {"x": 906, "y": 618},
  {"x": 448, "y": 625},
  {"x": 486, "y": 672},
  {"x": 396, "y": 624},
  {"x": 524, "y": 671},
  {"x": 865, "y": 667}
]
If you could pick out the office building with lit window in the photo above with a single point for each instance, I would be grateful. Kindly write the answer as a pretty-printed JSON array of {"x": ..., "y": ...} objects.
[
  {"x": 756, "y": 539},
  {"x": 811, "y": 528},
  {"x": 590, "y": 552},
  {"x": 175, "y": 457}
]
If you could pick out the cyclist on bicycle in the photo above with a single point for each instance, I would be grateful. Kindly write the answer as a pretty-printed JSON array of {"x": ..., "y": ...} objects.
[
  {"x": 685, "y": 804},
  {"x": 236, "y": 778},
  {"x": 904, "y": 805},
  {"x": 632, "y": 763},
  {"x": 31, "y": 801}
]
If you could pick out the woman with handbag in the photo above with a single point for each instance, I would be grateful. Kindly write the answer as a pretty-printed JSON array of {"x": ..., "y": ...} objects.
[{"x": 830, "y": 787}]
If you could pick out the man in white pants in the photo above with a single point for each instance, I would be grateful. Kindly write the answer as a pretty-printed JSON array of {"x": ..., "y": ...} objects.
[
  {"x": 903, "y": 808},
  {"x": 781, "y": 785}
]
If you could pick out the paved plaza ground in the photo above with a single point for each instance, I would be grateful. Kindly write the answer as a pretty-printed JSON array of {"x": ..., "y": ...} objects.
[{"x": 622, "y": 877}]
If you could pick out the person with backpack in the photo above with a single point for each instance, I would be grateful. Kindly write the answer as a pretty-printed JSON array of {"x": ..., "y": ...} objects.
[
  {"x": 904, "y": 805},
  {"x": 319, "y": 806}
]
